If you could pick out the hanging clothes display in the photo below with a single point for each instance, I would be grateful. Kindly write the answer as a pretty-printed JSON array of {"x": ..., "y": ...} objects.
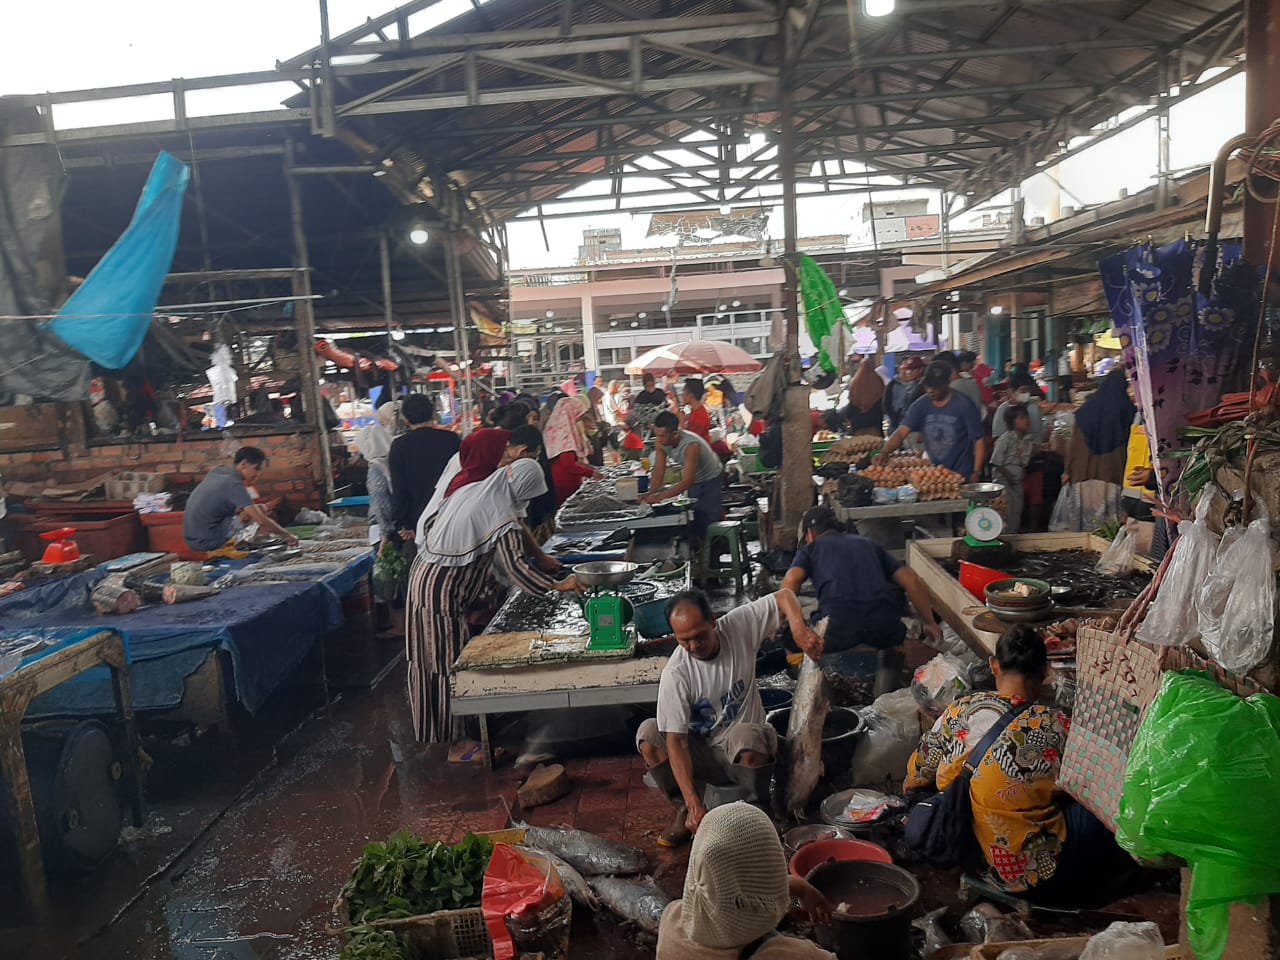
[{"x": 1180, "y": 348}]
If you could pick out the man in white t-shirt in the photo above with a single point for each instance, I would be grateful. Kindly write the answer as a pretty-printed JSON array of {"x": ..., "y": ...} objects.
[{"x": 710, "y": 727}]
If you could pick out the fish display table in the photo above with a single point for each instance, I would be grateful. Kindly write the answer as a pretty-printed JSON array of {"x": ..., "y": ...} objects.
[
  {"x": 951, "y": 600},
  {"x": 480, "y": 688},
  {"x": 18, "y": 688}
]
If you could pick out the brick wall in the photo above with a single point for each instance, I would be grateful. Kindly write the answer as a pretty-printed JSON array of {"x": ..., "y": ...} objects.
[{"x": 291, "y": 469}]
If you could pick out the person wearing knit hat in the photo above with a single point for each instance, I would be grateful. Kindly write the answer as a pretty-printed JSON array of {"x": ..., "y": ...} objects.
[{"x": 736, "y": 893}]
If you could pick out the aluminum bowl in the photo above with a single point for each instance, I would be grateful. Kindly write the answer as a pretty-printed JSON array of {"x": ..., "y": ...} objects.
[
  {"x": 605, "y": 573},
  {"x": 981, "y": 492}
]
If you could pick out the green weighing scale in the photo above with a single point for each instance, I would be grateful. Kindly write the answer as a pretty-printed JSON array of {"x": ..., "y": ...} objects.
[
  {"x": 606, "y": 611},
  {"x": 982, "y": 522}
]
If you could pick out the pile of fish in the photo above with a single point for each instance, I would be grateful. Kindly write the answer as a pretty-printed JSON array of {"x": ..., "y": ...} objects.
[
  {"x": 1074, "y": 569},
  {"x": 599, "y": 872}
]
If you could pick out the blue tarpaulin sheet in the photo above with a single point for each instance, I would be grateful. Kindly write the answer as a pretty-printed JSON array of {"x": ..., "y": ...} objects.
[
  {"x": 267, "y": 628},
  {"x": 108, "y": 316}
]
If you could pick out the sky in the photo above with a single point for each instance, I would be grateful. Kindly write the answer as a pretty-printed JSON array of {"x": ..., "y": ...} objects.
[{"x": 133, "y": 41}]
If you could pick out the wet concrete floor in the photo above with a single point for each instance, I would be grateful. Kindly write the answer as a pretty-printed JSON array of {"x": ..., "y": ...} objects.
[{"x": 250, "y": 839}]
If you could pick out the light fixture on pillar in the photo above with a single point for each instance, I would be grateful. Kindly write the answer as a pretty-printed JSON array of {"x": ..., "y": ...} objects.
[
  {"x": 418, "y": 235},
  {"x": 877, "y": 8},
  {"x": 996, "y": 310}
]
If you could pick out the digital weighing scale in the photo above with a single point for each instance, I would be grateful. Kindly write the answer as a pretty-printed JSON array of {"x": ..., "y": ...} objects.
[{"x": 982, "y": 522}]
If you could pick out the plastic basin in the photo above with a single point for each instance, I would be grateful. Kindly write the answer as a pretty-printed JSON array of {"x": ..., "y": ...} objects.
[
  {"x": 651, "y": 619},
  {"x": 836, "y": 851},
  {"x": 975, "y": 578}
]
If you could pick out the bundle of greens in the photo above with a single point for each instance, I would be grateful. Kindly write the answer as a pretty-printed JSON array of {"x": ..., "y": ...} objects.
[
  {"x": 407, "y": 877},
  {"x": 368, "y": 943},
  {"x": 390, "y": 572}
]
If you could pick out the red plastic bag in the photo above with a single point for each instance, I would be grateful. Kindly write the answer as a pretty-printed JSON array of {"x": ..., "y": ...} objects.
[{"x": 517, "y": 882}]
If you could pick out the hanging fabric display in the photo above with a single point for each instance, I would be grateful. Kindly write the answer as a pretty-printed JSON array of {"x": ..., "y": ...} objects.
[
  {"x": 1180, "y": 347},
  {"x": 823, "y": 314}
]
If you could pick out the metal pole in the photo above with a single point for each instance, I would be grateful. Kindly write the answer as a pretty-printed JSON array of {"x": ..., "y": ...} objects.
[
  {"x": 458, "y": 306},
  {"x": 325, "y": 123},
  {"x": 1163, "y": 183},
  {"x": 1261, "y": 107},
  {"x": 384, "y": 255},
  {"x": 309, "y": 370}
]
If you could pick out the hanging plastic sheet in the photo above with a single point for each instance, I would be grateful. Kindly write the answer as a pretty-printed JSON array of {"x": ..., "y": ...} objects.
[
  {"x": 107, "y": 318},
  {"x": 1203, "y": 784},
  {"x": 32, "y": 361},
  {"x": 823, "y": 311}
]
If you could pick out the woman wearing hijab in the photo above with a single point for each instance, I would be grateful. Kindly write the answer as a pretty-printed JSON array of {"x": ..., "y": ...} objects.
[
  {"x": 477, "y": 530},
  {"x": 864, "y": 416},
  {"x": 736, "y": 893},
  {"x": 374, "y": 444},
  {"x": 1094, "y": 475},
  {"x": 567, "y": 448}
]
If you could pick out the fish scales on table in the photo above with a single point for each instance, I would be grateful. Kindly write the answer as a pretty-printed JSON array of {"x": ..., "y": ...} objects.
[
  {"x": 803, "y": 748},
  {"x": 590, "y": 855},
  {"x": 640, "y": 901}
]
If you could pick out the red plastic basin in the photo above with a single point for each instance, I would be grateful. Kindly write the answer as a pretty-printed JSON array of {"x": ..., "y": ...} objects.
[
  {"x": 975, "y": 578},
  {"x": 825, "y": 851}
]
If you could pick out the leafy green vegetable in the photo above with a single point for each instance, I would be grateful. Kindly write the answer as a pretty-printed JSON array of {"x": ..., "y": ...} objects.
[
  {"x": 407, "y": 876},
  {"x": 1109, "y": 530},
  {"x": 370, "y": 944},
  {"x": 390, "y": 572}
]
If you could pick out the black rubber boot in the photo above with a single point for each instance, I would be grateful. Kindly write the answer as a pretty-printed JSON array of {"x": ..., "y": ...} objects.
[{"x": 678, "y": 833}]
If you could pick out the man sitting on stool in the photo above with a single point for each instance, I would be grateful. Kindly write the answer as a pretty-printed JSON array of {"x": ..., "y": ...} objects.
[
  {"x": 710, "y": 727},
  {"x": 860, "y": 590}
]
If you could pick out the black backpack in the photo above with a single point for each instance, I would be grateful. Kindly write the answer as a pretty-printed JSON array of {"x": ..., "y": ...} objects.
[{"x": 940, "y": 830}]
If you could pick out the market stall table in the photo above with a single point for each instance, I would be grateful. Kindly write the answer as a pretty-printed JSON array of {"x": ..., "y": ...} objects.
[
  {"x": 491, "y": 684},
  {"x": 41, "y": 673},
  {"x": 951, "y": 600},
  {"x": 257, "y": 632}
]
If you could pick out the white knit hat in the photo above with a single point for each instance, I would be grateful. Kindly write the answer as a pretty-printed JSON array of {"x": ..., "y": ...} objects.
[{"x": 736, "y": 888}]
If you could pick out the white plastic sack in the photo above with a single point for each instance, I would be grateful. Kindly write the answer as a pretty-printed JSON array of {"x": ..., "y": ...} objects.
[
  {"x": 1248, "y": 619},
  {"x": 1126, "y": 941},
  {"x": 1172, "y": 620},
  {"x": 893, "y": 733},
  {"x": 1117, "y": 559}
]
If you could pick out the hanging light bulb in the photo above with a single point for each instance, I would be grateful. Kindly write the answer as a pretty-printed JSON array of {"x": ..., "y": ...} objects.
[
  {"x": 418, "y": 236},
  {"x": 877, "y": 8}
]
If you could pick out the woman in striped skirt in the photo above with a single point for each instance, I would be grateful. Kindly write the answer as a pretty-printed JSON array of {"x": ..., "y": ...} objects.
[{"x": 478, "y": 529}]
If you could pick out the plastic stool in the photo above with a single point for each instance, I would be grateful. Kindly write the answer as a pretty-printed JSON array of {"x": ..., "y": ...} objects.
[{"x": 739, "y": 568}]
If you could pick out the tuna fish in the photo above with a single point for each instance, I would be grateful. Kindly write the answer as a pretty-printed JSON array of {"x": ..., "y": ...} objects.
[
  {"x": 639, "y": 901},
  {"x": 573, "y": 881},
  {"x": 803, "y": 749},
  {"x": 590, "y": 855}
]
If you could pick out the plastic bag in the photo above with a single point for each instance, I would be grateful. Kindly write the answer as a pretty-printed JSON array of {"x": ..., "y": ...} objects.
[
  {"x": 1211, "y": 598},
  {"x": 519, "y": 885},
  {"x": 1126, "y": 941},
  {"x": 940, "y": 682},
  {"x": 1248, "y": 620},
  {"x": 1203, "y": 784},
  {"x": 1065, "y": 512},
  {"x": 893, "y": 733},
  {"x": 1117, "y": 559},
  {"x": 1172, "y": 621}
]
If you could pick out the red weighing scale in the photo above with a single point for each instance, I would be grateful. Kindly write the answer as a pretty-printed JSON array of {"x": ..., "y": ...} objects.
[{"x": 62, "y": 547}]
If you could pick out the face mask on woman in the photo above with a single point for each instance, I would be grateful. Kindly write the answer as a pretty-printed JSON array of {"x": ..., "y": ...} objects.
[{"x": 1022, "y": 396}]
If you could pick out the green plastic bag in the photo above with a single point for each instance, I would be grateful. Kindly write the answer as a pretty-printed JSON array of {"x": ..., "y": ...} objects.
[
  {"x": 823, "y": 311},
  {"x": 1203, "y": 784}
]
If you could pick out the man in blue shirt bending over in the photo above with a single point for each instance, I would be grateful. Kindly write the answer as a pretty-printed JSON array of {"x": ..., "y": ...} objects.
[{"x": 950, "y": 424}]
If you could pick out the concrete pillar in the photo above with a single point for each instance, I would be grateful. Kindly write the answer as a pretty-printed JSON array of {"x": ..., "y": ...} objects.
[
  {"x": 795, "y": 475},
  {"x": 589, "y": 358}
]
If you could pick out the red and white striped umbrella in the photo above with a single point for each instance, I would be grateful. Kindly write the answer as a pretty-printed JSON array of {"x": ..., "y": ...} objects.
[{"x": 694, "y": 357}]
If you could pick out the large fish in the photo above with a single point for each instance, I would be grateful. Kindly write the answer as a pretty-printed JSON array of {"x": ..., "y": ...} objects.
[
  {"x": 639, "y": 901},
  {"x": 803, "y": 749},
  {"x": 574, "y": 882},
  {"x": 590, "y": 855}
]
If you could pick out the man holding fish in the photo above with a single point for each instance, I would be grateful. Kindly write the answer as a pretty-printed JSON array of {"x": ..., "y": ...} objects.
[{"x": 711, "y": 727}]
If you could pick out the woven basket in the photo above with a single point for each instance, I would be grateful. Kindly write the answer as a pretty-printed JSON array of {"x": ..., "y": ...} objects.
[
  {"x": 444, "y": 935},
  {"x": 1116, "y": 681}
]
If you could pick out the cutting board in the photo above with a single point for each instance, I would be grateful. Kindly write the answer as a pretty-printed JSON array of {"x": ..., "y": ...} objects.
[{"x": 525, "y": 648}]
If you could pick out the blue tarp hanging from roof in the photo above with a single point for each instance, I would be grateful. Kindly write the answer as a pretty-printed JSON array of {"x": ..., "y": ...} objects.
[{"x": 107, "y": 318}]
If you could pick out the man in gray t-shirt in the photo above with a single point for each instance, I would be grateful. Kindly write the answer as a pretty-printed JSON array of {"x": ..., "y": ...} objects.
[
  {"x": 701, "y": 475},
  {"x": 221, "y": 506}
]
